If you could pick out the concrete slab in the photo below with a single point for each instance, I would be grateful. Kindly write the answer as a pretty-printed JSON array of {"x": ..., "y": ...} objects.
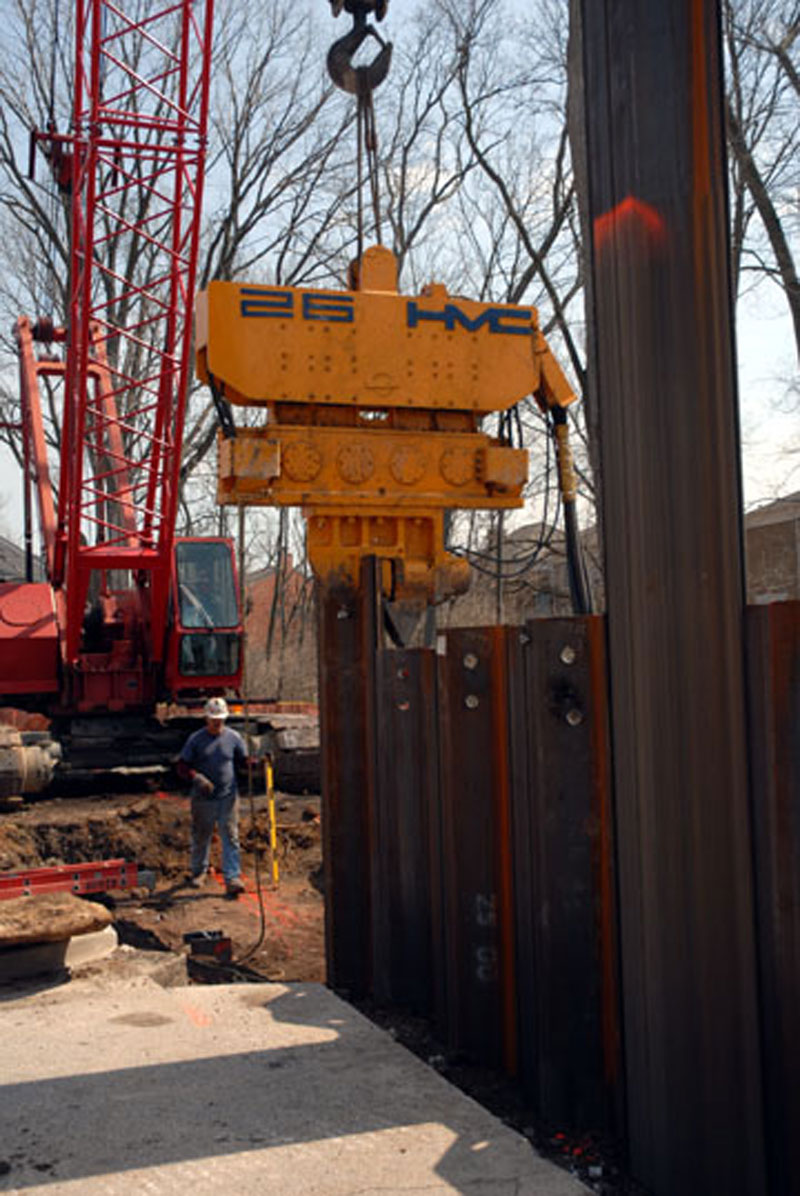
[{"x": 112, "y": 1084}]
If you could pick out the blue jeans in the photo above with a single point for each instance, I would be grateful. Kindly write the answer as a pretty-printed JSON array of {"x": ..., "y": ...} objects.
[{"x": 206, "y": 814}]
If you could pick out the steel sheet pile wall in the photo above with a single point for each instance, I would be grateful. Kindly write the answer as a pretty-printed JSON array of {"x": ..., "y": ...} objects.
[
  {"x": 467, "y": 843},
  {"x": 773, "y": 642}
]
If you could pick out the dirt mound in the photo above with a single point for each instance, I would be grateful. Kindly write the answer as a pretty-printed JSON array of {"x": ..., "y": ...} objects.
[
  {"x": 144, "y": 831},
  {"x": 152, "y": 831}
]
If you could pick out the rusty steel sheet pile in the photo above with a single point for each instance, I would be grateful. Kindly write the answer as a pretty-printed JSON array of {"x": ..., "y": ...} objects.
[
  {"x": 347, "y": 641},
  {"x": 773, "y": 649},
  {"x": 479, "y": 1015},
  {"x": 405, "y": 839},
  {"x": 671, "y": 504},
  {"x": 567, "y": 983}
]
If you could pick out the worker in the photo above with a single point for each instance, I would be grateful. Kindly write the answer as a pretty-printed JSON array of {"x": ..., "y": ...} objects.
[{"x": 208, "y": 761}]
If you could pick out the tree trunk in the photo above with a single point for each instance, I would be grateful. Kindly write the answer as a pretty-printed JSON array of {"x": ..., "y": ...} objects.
[{"x": 770, "y": 219}]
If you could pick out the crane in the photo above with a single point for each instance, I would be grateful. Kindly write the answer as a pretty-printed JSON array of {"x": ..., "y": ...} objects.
[{"x": 128, "y": 615}]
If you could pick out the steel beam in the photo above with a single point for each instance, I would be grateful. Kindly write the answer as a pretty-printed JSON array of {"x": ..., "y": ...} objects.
[{"x": 671, "y": 511}]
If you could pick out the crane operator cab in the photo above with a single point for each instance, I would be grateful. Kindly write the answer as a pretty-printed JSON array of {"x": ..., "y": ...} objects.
[{"x": 205, "y": 649}]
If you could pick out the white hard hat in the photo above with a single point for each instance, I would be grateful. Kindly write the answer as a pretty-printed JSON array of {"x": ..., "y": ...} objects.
[{"x": 216, "y": 708}]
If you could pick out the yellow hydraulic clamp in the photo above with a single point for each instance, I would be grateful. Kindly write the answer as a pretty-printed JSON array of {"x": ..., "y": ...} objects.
[{"x": 374, "y": 402}]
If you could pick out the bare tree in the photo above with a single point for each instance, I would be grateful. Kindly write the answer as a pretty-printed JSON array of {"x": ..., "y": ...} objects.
[
  {"x": 519, "y": 240},
  {"x": 763, "y": 119},
  {"x": 424, "y": 157}
]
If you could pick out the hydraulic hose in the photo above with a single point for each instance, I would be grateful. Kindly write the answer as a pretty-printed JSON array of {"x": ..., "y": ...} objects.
[{"x": 568, "y": 484}]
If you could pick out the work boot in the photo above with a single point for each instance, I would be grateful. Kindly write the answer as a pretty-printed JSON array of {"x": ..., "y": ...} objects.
[
  {"x": 197, "y": 880},
  {"x": 235, "y": 886}
]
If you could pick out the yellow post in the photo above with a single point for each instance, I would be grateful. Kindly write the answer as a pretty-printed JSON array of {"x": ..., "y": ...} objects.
[{"x": 273, "y": 828}]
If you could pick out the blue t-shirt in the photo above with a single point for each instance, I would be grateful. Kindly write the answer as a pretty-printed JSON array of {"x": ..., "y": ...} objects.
[{"x": 215, "y": 757}]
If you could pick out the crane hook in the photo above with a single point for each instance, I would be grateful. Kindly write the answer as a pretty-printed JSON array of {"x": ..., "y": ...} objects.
[{"x": 340, "y": 65}]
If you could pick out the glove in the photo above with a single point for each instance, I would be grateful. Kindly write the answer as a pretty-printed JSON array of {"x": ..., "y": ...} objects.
[{"x": 201, "y": 786}]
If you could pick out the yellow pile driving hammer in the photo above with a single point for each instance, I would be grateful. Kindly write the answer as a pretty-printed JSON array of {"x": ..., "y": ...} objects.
[{"x": 374, "y": 402}]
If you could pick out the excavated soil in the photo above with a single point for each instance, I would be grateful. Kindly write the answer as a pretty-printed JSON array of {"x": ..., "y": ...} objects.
[{"x": 152, "y": 830}]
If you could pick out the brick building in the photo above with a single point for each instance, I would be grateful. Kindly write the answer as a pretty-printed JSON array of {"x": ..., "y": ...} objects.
[
  {"x": 772, "y": 545},
  {"x": 280, "y": 626}
]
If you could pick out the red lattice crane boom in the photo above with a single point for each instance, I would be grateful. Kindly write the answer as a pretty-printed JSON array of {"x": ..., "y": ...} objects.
[{"x": 137, "y": 146}]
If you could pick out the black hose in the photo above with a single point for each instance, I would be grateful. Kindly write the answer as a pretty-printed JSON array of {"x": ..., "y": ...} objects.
[
  {"x": 576, "y": 571},
  {"x": 259, "y": 890}
]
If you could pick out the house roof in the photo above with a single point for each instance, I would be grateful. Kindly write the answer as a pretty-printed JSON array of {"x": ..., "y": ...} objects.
[{"x": 782, "y": 510}]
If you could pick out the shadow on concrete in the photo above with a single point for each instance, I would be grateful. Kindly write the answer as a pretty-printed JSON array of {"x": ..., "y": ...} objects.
[
  {"x": 14, "y": 990},
  {"x": 80, "y": 1126}
]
